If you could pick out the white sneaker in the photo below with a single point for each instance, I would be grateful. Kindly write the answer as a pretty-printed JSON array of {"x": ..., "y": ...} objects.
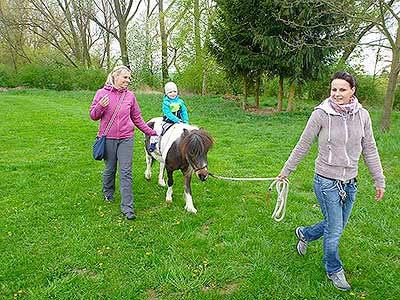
[
  {"x": 302, "y": 243},
  {"x": 339, "y": 281}
]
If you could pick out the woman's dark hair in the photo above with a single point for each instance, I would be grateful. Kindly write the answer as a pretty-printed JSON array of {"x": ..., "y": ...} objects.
[{"x": 345, "y": 76}]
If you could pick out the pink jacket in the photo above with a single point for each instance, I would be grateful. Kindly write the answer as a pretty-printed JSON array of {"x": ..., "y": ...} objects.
[{"x": 128, "y": 114}]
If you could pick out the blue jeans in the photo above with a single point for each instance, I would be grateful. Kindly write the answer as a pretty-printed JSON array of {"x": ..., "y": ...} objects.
[{"x": 336, "y": 211}]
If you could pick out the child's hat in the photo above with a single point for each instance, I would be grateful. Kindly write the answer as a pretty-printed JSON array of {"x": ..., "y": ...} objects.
[{"x": 170, "y": 87}]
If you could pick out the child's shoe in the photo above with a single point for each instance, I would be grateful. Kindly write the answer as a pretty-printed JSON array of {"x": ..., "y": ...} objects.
[{"x": 152, "y": 147}]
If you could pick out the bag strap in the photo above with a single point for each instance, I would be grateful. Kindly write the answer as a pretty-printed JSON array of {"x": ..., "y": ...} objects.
[{"x": 114, "y": 114}]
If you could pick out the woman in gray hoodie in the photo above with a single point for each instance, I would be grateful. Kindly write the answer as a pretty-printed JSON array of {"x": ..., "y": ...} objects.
[{"x": 344, "y": 132}]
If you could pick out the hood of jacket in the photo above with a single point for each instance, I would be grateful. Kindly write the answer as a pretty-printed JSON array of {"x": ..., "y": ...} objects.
[{"x": 111, "y": 88}]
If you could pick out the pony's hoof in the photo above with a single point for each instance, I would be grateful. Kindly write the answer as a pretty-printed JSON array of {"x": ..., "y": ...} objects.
[
  {"x": 147, "y": 176},
  {"x": 168, "y": 200},
  {"x": 161, "y": 183},
  {"x": 191, "y": 209}
]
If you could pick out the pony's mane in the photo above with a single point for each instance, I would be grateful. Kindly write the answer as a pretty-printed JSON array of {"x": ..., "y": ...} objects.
[{"x": 196, "y": 143}]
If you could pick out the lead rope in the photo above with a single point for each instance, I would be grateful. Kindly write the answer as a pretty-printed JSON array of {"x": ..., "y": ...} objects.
[{"x": 281, "y": 186}]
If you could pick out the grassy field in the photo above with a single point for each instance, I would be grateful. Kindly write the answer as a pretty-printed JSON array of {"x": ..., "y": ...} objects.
[{"x": 60, "y": 240}]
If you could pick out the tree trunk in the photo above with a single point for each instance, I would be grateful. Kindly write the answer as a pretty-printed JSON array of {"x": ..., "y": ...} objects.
[
  {"x": 76, "y": 45},
  {"x": 391, "y": 87},
  {"x": 292, "y": 92},
  {"x": 245, "y": 91},
  {"x": 164, "y": 45},
  {"x": 257, "y": 91},
  {"x": 197, "y": 45},
  {"x": 280, "y": 93},
  {"x": 204, "y": 81},
  {"x": 197, "y": 39},
  {"x": 123, "y": 44}
]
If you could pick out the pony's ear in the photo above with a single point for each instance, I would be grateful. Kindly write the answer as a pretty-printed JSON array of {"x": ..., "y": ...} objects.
[{"x": 185, "y": 132}]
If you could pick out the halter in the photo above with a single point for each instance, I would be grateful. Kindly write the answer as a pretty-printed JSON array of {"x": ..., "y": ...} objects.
[{"x": 194, "y": 166}]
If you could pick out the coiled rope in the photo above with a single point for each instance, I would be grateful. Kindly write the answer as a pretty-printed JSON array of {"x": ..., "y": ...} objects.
[{"x": 281, "y": 186}]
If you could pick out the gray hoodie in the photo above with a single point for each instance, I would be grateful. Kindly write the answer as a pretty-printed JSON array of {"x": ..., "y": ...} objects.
[{"x": 340, "y": 144}]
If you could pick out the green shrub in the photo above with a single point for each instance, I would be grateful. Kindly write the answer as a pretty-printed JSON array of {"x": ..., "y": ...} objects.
[
  {"x": 33, "y": 75},
  {"x": 88, "y": 79},
  {"x": 7, "y": 76},
  {"x": 396, "y": 104},
  {"x": 58, "y": 78},
  {"x": 191, "y": 79},
  {"x": 371, "y": 91}
]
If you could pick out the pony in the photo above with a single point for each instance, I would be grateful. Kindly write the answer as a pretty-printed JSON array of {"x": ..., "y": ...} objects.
[{"x": 182, "y": 147}]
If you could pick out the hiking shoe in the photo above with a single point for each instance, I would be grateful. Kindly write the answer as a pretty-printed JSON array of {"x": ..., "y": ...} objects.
[
  {"x": 339, "y": 281},
  {"x": 152, "y": 147},
  {"x": 109, "y": 198},
  {"x": 302, "y": 244}
]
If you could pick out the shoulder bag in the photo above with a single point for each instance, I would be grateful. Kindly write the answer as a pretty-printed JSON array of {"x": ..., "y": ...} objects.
[{"x": 99, "y": 146}]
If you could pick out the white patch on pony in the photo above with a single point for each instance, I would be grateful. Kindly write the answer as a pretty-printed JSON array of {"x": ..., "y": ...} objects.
[
  {"x": 189, "y": 203},
  {"x": 169, "y": 194},
  {"x": 147, "y": 173},
  {"x": 169, "y": 137},
  {"x": 161, "y": 180}
]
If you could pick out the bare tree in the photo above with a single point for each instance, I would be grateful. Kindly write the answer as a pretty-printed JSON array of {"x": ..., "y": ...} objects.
[
  {"x": 13, "y": 36},
  {"x": 61, "y": 24},
  {"x": 124, "y": 13},
  {"x": 394, "y": 41},
  {"x": 166, "y": 31}
]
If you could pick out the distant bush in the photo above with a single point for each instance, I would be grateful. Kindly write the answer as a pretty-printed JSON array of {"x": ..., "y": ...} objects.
[
  {"x": 53, "y": 77},
  {"x": 371, "y": 91},
  {"x": 396, "y": 104},
  {"x": 191, "y": 79},
  {"x": 7, "y": 76}
]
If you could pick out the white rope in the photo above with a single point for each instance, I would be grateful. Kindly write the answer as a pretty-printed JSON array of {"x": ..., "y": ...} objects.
[{"x": 281, "y": 186}]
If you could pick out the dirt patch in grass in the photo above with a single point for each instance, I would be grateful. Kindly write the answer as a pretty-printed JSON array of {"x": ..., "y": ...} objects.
[
  {"x": 84, "y": 272},
  {"x": 151, "y": 294},
  {"x": 229, "y": 288},
  {"x": 262, "y": 111}
]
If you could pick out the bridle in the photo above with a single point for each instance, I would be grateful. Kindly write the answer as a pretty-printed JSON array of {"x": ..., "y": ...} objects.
[{"x": 193, "y": 165}]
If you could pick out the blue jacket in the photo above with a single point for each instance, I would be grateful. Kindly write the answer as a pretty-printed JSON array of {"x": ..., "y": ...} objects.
[{"x": 175, "y": 110}]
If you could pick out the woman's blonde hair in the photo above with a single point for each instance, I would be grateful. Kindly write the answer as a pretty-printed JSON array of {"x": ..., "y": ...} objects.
[{"x": 116, "y": 71}]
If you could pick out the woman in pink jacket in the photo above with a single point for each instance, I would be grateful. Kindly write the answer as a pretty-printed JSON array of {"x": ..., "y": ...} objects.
[{"x": 119, "y": 144}]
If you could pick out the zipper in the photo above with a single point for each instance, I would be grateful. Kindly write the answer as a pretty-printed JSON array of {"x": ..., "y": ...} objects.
[{"x": 345, "y": 142}]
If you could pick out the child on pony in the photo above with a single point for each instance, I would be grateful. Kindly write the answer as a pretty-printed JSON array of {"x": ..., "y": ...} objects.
[{"x": 174, "y": 111}]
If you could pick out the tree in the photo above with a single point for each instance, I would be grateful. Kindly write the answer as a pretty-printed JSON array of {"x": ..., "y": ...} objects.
[
  {"x": 232, "y": 41},
  {"x": 13, "y": 36},
  {"x": 362, "y": 21},
  {"x": 144, "y": 44},
  {"x": 122, "y": 11},
  {"x": 61, "y": 24},
  {"x": 166, "y": 30},
  {"x": 299, "y": 37},
  {"x": 394, "y": 42}
]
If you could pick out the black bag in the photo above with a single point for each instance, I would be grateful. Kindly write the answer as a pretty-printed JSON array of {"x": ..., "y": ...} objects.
[{"x": 99, "y": 148}]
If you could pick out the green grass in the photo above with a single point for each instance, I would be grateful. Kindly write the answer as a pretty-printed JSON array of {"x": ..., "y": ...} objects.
[{"x": 59, "y": 240}]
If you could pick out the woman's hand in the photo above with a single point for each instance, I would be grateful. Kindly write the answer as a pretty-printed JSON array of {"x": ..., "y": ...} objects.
[
  {"x": 104, "y": 101},
  {"x": 380, "y": 191},
  {"x": 281, "y": 177}
]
